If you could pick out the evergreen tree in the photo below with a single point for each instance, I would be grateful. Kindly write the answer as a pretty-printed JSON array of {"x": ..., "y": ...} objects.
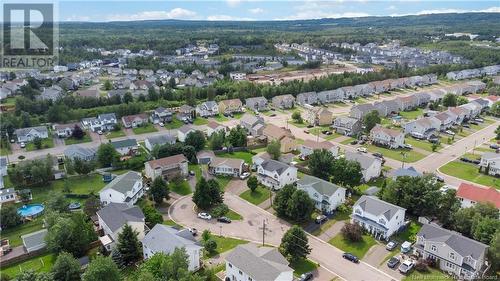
[
  {"x": 159, "y": 190},
  {"x": 128, "y": 245}
]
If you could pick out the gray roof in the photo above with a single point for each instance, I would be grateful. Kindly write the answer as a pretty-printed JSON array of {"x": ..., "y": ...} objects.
[
  {"x": 7, "y": 191},
  {"x": 410, "y": 172},
  {"x": 459, "y": 243},
  {"x": 162, "y": 139},
  {"x": 321, "y": 186},
  {"x": 76, "y": 151},
  {"x": 273, "y": 165},
  {"x": 106, "y": 116},
  {"x": 364, "y": 160},
  {"x": 166, "y": 239},
  {"x": 365, "y": 108},
  {"x": 124, "y": 143},
  {"x": 490, "y": 155},
  {"x": 186, "y": 129},
  {"x": 115, "y": 215},
  {"x": 25, "y": 131},
  {"x": 260, "y": 263},
  {"x": 34, "y": 239},
  {"x": 124, "y": 183},
  {"x": 3, "y": 161},
  {"x": 256, "y": 99},
  {"x": 377, "y": 207},
  {"x": 250, "y": 119}
]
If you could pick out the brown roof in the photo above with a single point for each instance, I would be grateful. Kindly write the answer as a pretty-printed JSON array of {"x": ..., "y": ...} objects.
[
  {"x": 231, "y": 162},
  {"x": 318, "y": 145},
  {"x": 275, "y": 132},
  {"x": 167, "y": 161},
  {"x": 232, "y": 102},
  {"x": 64, "y": 126},
  {"x": 130, "y": 118},
  {"x": 390, "y": 132},
  {"x": 214, "y": 125},
  {"x": 88, "y": 93}
]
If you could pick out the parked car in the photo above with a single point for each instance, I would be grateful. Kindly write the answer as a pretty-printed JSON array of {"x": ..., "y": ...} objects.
[
  {"x": 476, "y": 161},
  {"x": 321, "y": 219},
  {"x": 405, "y": 247},
  {"x": 224, "y": 219},
  {"x": 193, "y": 231},
  {"x": 417, "y": 136},
  {"x": 465, "y": 159},
  {"x": 326, "y": 132},
  {"x": 439, "y": 178},
  {"x": 378, "y": 155},
  {"x": 354, "y": 142},
  {"x": 161, "y": 124},
  {"x": 474, "y": 122},
  {"x": 362, "y": 142},
  {"x": 244, "y": 175},
  {"x": 494, "y": 146},
  {"x": 22, "y": 145},
  {"x": 406, "y": 266},
  {"x": 204, "y": 216},
  {"x": 480, "y": 120},
  {"x": 310, "y": 126},
  {"x": 306, "y": 276},
  {"x": 306, "y": 131},
  {"x": 192, "y": 173},
  {"x": 449, "y": 132},
  {"x": 361, "y": 149},
  {"x": 407, "y": 146},
  {"x": 272, "y": 115},
  {"x": 392, "y": 262},
  {"x": 433, "y": 139},
  {"x": 466, "y": 125},
  {"x": 350, "y": 257},
  {"x": 99, "y": 132},
  {"x": 391, "y": 245}
]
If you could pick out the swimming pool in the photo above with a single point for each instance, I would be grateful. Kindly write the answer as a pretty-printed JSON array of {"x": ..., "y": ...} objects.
[{"x": 31, "y": 210}]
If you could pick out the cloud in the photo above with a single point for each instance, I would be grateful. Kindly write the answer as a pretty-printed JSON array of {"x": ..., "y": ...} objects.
[
  {"x": 176, "y": 13},
  {"x": 227, "y": 18},
  {"x": 256, "y": 11},
  {"x": 233, "y": 3},
  {"x": 320, "y": 15},
  {"x": 77, "y": 18},
  {"x": 446, "y": 11},
  {"x": 391, "y": 8}
]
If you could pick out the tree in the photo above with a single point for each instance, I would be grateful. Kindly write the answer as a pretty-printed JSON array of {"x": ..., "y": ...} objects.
[
  {"x": 196, "y": 139},
  {"x": 9, "y": 216},
  {"x": 210, "y": 245},
  {"x": 159, "y": 190},
  {"x": 152, "y": 216},
  {"x": 320, "y": 163},
  {"x": 485, "y": 229},
  {"x": 57, "y": 202},
  {"x": 495, "y": 109},
  {"x": 462, "y": 100},
  {"x": 220, "y": 210},
  {"x": 31, "y": 275},
  {"x": 252, "y": 183},
  {"x": 83, "y": 167},
  {"x": 295, "y": 244},
  {"x": 91, "y": 205},
  {"x": 434, "y": 146},
  {"x": 152, "y": 94},
  {"x": 66, "y": 268},
  {"x": 448, "y": 205},
  {"x": 449, "y": 100},
  {"x": 280, "y": 203},
  {"x": 494, "y": 251},
  {"x": 274, "y": 149},
  {"x": 297, "y": 117},
  {"x": 467, "y": 220},
  {"x": 128, "y": 98},
  {"x": 69, "y": 233},
  {"x": 168, "y": 267},
  {"x": 497, "y": 132},
  {"x": 37, "y": 142},
  {"x": 217, "y": 140},
  {"x": 101, "y": 269},
  {"x": 346, "y": 173},
  {"x": 78, "y": 133},
  {"x": 107, "y": 155},
  {"x": 237, "y": 137},
  {"x": 300, "y": 206},
  {"x": 352, "y": 231},
  {"x": 207, "y": 194},
  {"x": 371, "y": 119},
  {"x": 128, "y": 245},
  {"x": 107, "y": 85}
]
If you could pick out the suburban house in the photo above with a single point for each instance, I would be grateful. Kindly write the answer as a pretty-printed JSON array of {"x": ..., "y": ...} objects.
[
  {"x": 490, "y": 161},
  {"x": 8, "y": 195},
  {"x": 160, "y": 140},
  {"x": 84, "y": 153},
  {"x": 387, "y": 107},
  {"x": 446, "y": 120},
  {"x": 249, "y": 262},
  {"x": 208, "y": 108},
  {"x": 310, "y": 98},
  {"x": 34, "y": 241},
  {"x": 161, "y": 114},
  {"x": 114, "y": 216},
  {"x": 89, "y": 93},
  {"x": 256, "y": 104},
  {"x": 3, "y": 166},
  {"x": 407, "y": 103},
  {"x": 275, "y": 174},
  {"x": 325, "y": 195},
  {"x": 64, "y": 130},
  {"x": 379, "y": 218},
  {"x": 205, "y": 156},
  {"x": 108, "y": 121},
  {"x": 253, "y": 124},
  {"x": 359, "y": 111},
  {"x": 405, "y": 172},
  {"x": 126, "y": 188},
  {"x": 186, "y": 111},
  {"x": 472, "y": 109},
  {"x": 126, "y": 147},
  {"x": 423, "y": 126},
  {"x": 29, "y": 134},
  {"x": 454, "y": 253},
  {"x": 136, "y": 120},
  {"x": 308, "y": 147},
  {"x": 165, "y": 239},
  {"x": 167, "y": 167},
  {"x": 183, "y": 131},
  {"x": 52, "y": 93},
  {"x": 347, "y": 125},
  {"x": 226, "y": 166},
  {"x": 213, "y": 127},
  {"x": 316, "y": 115},
  {"x": 283, "y": 101},
  {"x": 282, "y": 135},
  {"x": 230, "y": 106},
  {"x": 387, "y": 137},
  {"x": 459, "y": 114},
  {"x": 371, "y": 166},
  {"x": 470, "y": 194}
]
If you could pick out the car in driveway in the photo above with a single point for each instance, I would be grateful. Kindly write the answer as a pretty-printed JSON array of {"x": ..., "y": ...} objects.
[
  {"x": 224, "y": 219},
  {"x": 480, "y": 120},
  {"x": 244, "y": 175},
  {"x": 350, "y": 257},
  {"x": 474, "y": 122},
  {"x": 161, "y": 124},
  {"x": 391, "y": 245},
  {"x": 393, "y": 262},
  {"x": 494, "y": 146},
  {"x": 354, "y": 142},
  {"x": 449, "y": 132},
  {"x": 272, "y": 115},
  {"x": 321, "y": 219},
  {"x": 306, "y": 131},
  {"x": 378, "y": 155},
  {"x": 408, "y": 146},
  {"x": 193, "y": 231},
  {"x": 406, "y": 266},
  {"x": 204, "y": 216},
  {"x": 22, "y": 145},
  {"x": 306, "y": 276},
  {"x": 361, "y": 149}
]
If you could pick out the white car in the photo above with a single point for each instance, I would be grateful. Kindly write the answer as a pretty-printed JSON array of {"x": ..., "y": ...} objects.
[
  {"x": 244, "y": 175},
  {"x": 361, "y": 149},
  {"x": 204, "y": 216},
  {"x": 99, "y": 132},
  {"x": 406, "y": 266},
  {"x": 408, "y": 146},
  {"x": 22, "y": 144},
  {"x": 161, "y": 124},
  {"x": 451, "y": 133}
]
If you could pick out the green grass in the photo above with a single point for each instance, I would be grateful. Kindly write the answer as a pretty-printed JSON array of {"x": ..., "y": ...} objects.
[
  {"x": 41, "y": 263},
  {"x": 148, "y": 128},
  {"x": 409, "y": 234},
  {"x": 260, "y": 195},
  {"x": 9, "y": 101},
  {"x": 296, "y": 124},
  {"x": 14, "y": 233},
  {"x": 302, "y": 266},
  {"x": 238, "y": 115},
  {"x": 433, "y": 274},
  {"x": 200, "y": 121},
  {"x": 469, "y": 172},
  {"x": 5, "y": 151},
  {"x": 221, "y": 118},
  {"x": 243, "y": 155},
  {"x": 422, "y": 144},
  {"x": 259, "y": 150},
  {"x": 358, "y": 249},
  {"x": 411, "y": 156},
  {"x": 196, "y": 169},
  {"x": 171, "y": 223},
  {"x": 182, "y": 188},
  {"x": 411, "y": 115},
  {"x": 71, "y": 140},
  {"x": 176, "y": 123},
  {"x": 347, "y": 141},
  {"x": 46, "y": 143},
  {"x": 225, "y": 244},
  {"x": 234, "y": 216},
  {"x": 115, "y": 134},
  {"x": 223, "y": 181}
]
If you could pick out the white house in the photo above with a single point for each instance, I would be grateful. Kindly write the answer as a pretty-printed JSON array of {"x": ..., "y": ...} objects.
[
  {"x": 208, "y": 108},
  {"x": 237, "y": 76},
  {"x": 308, "y": 147},
  {"x": 226, "y": 166},
  {"x": 114, "y": 216},
  {"x": 213, "y": 127},
  {"x": 125, "y": 188},
  {"x": 422, "y": 126},
  {"x": 167, "y": 167},
  {"x": 126, "y": 146},
  {"x": 7, "y": 195},
  {"x": 387, "y": 137},
  {"x": 326, "y": 195},
  {"x": 379, "y": 218},
  {"x": 469, "y": 195},
  {"x": 183, "y": 131},
  {"x": 165, "y": 239},
  {"x": 275, "y": 174},
  {"x": 160, "y": 140},
  {"x": 249, "y": 262},
  {"x": 491, "y": 161},
  {"x": 29, "y": 134},
  {"x": 371, "y": 167}
]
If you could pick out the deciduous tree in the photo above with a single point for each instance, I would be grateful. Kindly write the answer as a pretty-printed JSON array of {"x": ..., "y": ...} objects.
[
  {"x": 274, "y": 149},
  {"x": 101, "y": 269},
  {"x": 66, "y": 268},
  {"x": 295, "y": 244},
  {"x": 159, "y": 190},
  {"x": 252, "y": 183},
  {"x": 196, "y": 139}
]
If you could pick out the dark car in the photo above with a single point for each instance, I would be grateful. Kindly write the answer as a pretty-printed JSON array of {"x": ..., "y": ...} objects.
[
  {"x": 378, "y": 155},
  {"x": 433, "y": 139},
  {"x": 465, "y": 159},
  {"x": 350, "y": 257},
  {"x": 494, "y": 146},
  {"x": 306, "y": 276},
  {"x": 224, "y": 219},
  {"x": 392, "y": 262},
  {"x": 321, "y": 219},
  {"x": 465, "y": 125},
  {"x": 475, "y": 161},
  {"x": 310, "y": 126},
  {"x": 354, "y": 142},
  {"x": 272, "y": 114},
  {"x": 474, "y": 123}
]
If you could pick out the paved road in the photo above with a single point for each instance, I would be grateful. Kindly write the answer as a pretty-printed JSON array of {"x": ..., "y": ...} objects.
[{"x": 250, "y": 228}]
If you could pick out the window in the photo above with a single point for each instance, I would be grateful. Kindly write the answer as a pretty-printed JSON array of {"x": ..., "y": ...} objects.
[
  {"x": 230, "y": 265},
  {"x": 433, "y": 248},
  {"x": 357, "y": 211},
  {"x": 452, "y": 256},
  {"x": 249, "y": 278},
  {"x": 241, "y": 273}
]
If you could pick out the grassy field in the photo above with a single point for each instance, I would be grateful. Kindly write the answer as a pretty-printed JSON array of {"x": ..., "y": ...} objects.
[
  {"x": 299, "y": 125},
  {"x": 176, "y": 123},
  {"x": 171, "y": 223},
  {"x": 258, "y": 196},
  {"x": 86, "y": 138},
  {"x": 243, "y": 155},
  {"x": 41, "y": 263},
  {"x": 220, "y": 118},
  {"x": 469, "y": 172},
  {"x": 46, "y": 143},
  {"x": 411, "y": 156},
  {"x": 358, "y": 249},
  {"x": 148, "y": 128},
  {"x": 422, "y": 144},
  {"x": 409, "y": 234},
  {"x": 200, "y": 121},
  {"x": 196, "y": 169},
  {"x": 433, "y": 274},
  {"x": 302, "y": 266},
  {"x": 223, "y": 181},
  {"x": 14, "y": 234},
  {"x": 411, "y": 115},
  {"x": 115, "y": 134},
  {"x": 225, "y": 244},
  {"x": 182, "y": 189}
]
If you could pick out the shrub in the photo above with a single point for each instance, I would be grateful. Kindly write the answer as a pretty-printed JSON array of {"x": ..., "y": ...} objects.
[
  {"x": 220, "y": 210},
  {"x": 421, "y": 266},
  {"x": 211, "y": 246},
  {"x": 352, "y": 231}
]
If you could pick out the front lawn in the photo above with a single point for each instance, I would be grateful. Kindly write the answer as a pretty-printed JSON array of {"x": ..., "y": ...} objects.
[
  {"x": 469, "y": 172},
  {"x": 115, "y": 134},
  {"x": 13, "y": 234},
  {"x": 302, "y": 266},
  {"x": 200, "y": 121},
  {"x": 410, "y": 115},
  {"x": 148, "y": 128},
  {"x": 296, "y": 124},
  {"x": 243, "y": 155},
  {"x": 41, "y": 263},
  {"x": 260, "y": 195},
  {"x": 433, "y": 274},
  {"x": 71, "y": 140},
  {"x": 181, "y": 188},
  {"x": 358, "y": 249},
  {"x": 220, "y": 118},
  {"x": 223, "y": 181},
  {"x": 196, "y": 169},
  {"x": 422, "y": 144},
  {"x": 172, "y": 223},
  {"x": 46, "y": 143},
  {"x": 225, "y": 244},
  {"x": 234, "y": 216},
  {"x": 176, "y": 123},
  {"x": 396, "y": 154}
]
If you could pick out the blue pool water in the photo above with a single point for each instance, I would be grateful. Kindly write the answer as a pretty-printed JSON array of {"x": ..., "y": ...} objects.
[{"x": 30, "y": 210}]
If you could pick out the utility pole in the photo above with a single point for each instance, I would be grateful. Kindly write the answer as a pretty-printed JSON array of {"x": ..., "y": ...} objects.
[{"x": 263, "y": 231}]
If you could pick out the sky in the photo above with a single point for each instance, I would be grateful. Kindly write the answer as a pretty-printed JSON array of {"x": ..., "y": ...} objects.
[{"x": 102, "y": 11}]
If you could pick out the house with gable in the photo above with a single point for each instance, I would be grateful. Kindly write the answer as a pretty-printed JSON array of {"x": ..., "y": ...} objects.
[
  {"x": 387, "y": 137},
  {"x": 226, "y": 166},
  {"x": 253, "y": 124},
  {"x": 167, "y": 167},
  {"x": 469, "y": 195},
  {"x": 347, "y": 125},
  {"x": 161, "y": 114},
  {"x": 230, "y": 106},
  {"x": 29, "y": 134},
  {"x": 325, "y": 195},
  {"x": 371, "y": 166},
  {"x": 307, "y": 98},
  {"x": 275, "y": 174},
  {"x": 283, "y": 101},
  {"x": 256, "y": 103},
  {"x": 126, "y": 188},
  {"x": 307, "y": 148},
  {"x": 136, "y": 120},
  {"x": 208, "y": 108}
]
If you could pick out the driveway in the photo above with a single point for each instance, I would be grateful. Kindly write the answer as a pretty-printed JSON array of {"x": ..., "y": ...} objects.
[
  {"x": 258, "y": 225},
  {"x": 332, "y": 231}
]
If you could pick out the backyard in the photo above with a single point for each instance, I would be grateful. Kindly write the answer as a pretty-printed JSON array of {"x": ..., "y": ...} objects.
[
  {"x": 469, "y": 172},
  {"x": 176, "y": 123},
  {"x": 46, "y": 143},
  {"x": 225, "y": 244},
  {"x": 260, "y": 195},
  {"x": 181, "y": 188},
  {"x": 115, "y": 134},
  {"x": 409, "y": 156},
  {"x": 148, "y": 128},
  {"x": 14, "y": 234},
  {"x": 303, "y": 266},
  {"x": 200, "y": 121},
  {"x": 71, "y": 140},
  {"x": 41, "y": 263},
  {"x": 358, "y": 249},
  {"x": 411, "y": 115},
  {"x": 243, "y": 155}
]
